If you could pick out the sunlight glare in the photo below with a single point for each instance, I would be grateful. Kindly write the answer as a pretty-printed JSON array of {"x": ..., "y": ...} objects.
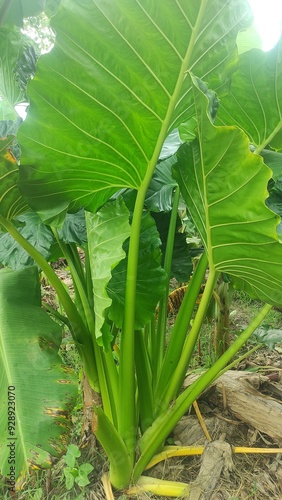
[{"x": 267, "y": 21}]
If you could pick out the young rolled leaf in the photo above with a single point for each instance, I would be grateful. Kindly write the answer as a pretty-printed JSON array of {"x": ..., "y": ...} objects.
[
  {"x": 225, "y": 187},
  {"x": 255, "y": 100},
  {"x": 107, "y": 230},
  {"x": 117, "y": 95},
  {"x": 32, "y": 370}
]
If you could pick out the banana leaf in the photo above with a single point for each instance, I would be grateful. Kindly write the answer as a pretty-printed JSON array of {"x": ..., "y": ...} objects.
[{"x": 39, "y": 388}]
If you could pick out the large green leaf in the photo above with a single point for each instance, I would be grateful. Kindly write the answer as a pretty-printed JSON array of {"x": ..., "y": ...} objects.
[
  {"x": 225, "y": 187},
  {"x": 11, "y": 201},
  {"x": 151, "y": 278},
  {"x": 107, "y": 230},
  {"x": 44, "y": 389},
  {"x": 104, "y": 99},
  {"x": 255, "y": 100}
]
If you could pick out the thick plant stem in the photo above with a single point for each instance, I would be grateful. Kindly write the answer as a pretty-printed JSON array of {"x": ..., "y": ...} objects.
[
  {"x": 79, "y": 283},
  {"x": 159, "y": 344},
  {"x": 107, "y": 397},
  {"x": 111, "y": 375},
  {"x": 159, "y": 487},
  {"x": 144, "y": 382},
  {"x": 78, "y": 329},
  {"x": 181, "y": 327},
  {"x": 89, "y": 286},
  {"x": 153, "y": 438},
  {"x": 75, "y": 274},
  {"x": 126, "y": 414},
  {"x": 117, "y": 453},
  {"x": 268, "y": 139},
  {"x": 177, "y": 378},
  {"x": 222, "y": 312}
]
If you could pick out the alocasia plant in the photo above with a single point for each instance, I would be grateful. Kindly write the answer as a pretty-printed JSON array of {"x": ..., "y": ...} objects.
[{"x": 102, "y": 103}]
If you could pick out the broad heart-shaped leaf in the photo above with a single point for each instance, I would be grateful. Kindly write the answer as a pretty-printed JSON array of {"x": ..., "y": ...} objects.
[
  {"x": 107, "y": 230},
  {"x": 104, "y": 99},
  {"x": 255, "y": 99},
  {"x": 225, "y": 187},
  {"x": 11, "y": 200},
  {"x": 38, "y": 234},
  {"x": 30, "y": 369},
  {"x": 150, "y": 278}
]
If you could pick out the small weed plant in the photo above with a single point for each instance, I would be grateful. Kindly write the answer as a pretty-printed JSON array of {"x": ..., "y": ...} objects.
[{"x": 74, "y": 473}]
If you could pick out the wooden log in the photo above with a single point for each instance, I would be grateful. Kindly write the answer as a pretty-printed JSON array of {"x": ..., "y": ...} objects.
[
  {"x": 246, "y": 396},
  {"x": 217, "y": 458}
]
